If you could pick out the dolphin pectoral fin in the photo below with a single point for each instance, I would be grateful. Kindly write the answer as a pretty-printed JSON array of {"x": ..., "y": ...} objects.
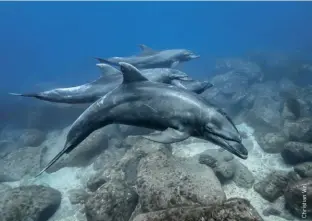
[
  {"x": 168, "y": 136},
  {"x": 58, "y": 156},
  {"x": 174, "y": 64},
  {"x": 145, "y": 50}
]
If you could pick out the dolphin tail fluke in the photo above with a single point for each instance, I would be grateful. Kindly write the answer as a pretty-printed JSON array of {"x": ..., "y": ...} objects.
[{"x": 58, "y": 156}]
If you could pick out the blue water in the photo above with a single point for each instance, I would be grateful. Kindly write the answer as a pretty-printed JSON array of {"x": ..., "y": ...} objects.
[{"x": 53, "y": 43}]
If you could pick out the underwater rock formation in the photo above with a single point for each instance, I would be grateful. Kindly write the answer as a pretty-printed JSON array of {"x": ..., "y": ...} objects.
[
  {"x": 304, "y": 169},
  {"x": 243, "y": 177},
  {"x": 95, "y": 182},
  {"x": 297, "y": 152},
  {"x": 77, "y": 196},
  {"x": 298, "y": 196},
  {"x": 272, "y": 186},
  {"x": 272, "y": 142},
  {"x": 265, "y": 113},
  {"x": 164, "y": 182},
  {"x": 37, "y": 203},
  {"x": 112, "y": 201},
  {"x": 233, "y": 209},
  {"x": 300, "y": 130},
  {"x": 226, "y": 168}
]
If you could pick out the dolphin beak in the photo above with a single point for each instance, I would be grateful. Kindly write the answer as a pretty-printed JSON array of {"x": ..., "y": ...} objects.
[
  {"x": 236, "y": 148},
  {"x": 195, "y": 56}
]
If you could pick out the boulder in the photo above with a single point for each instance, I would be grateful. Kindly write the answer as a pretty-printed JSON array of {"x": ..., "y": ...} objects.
[
  {"x": 235, "y": 209},
  {"x": 164, "y": 182},
  {"x": 272, "y": 186},
  {"x": 298, "y": 196},
  {"x": 112, "y": 201},
  {"x": 36, "y": 203},
  {"x": 297, "y": 152}
]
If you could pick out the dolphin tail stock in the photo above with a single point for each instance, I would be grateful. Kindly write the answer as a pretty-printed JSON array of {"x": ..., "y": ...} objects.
[
  {"x": 105, "y": 61},
  {"x": 25, "y": 95},
  {"x": 58, "y": 156}
]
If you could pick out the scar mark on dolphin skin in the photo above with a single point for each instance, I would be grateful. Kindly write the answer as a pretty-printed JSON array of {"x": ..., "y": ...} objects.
[{"x": 150, "y": 107}]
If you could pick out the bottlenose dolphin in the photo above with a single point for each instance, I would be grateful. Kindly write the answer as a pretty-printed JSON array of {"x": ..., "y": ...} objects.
[
  {"x": 90, "y": 92},
  {"x": 176, "y": 112},
  {"x": 150, "y": 58},
  {"x": 110, "y": 79},
  {"x": 163, "y": 75}
]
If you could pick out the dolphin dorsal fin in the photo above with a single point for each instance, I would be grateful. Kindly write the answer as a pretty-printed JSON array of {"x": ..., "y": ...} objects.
[
  {"x": 130, "y": 73},
  {"x": 108, "y": 70},
  {"x": 145, "y": 50}
]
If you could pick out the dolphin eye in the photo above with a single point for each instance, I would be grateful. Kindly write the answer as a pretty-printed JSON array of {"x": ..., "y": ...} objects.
[{"x": 208, "y": 127}]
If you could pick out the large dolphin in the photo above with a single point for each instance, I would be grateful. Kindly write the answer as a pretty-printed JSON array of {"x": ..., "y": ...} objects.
[
  {"x": 90, "y": 92},
  {"x": 150, "y": 58},
  {"x": 111, "y": 78},
  {"x": 176, "y": 112}
]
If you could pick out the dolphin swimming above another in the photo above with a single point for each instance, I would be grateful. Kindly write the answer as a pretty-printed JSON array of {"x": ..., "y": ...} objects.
[
  {"x": 110, "y": 79},
  {"x": 150, "y": 58},
  {"x": 174, "y": 111}
]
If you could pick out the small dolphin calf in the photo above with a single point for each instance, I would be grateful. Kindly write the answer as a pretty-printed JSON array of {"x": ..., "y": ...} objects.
[
  {"x": 150, "y": 58},
  {"x": 176, "y": 112},
  {"x": 110, "y": 79}
]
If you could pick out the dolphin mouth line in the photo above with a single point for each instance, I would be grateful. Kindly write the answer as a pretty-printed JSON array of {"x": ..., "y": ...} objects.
[
  {"x": 224, "y": 137},
  {"x": 225, "y": 144},
  {"x": 234, "y": 151}
]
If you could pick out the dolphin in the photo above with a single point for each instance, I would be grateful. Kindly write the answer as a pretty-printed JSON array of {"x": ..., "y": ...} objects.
[
  {"x": 90, "y": 92},
  {"x": 163, "y": 75},
  {"x": 150, "y": 58},
  {"x": 110, "y": 79},
  {"x": 173, "y": 112}
]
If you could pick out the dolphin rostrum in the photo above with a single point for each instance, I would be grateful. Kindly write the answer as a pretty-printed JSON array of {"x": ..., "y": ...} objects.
[{"x": 174, "y": 112}]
